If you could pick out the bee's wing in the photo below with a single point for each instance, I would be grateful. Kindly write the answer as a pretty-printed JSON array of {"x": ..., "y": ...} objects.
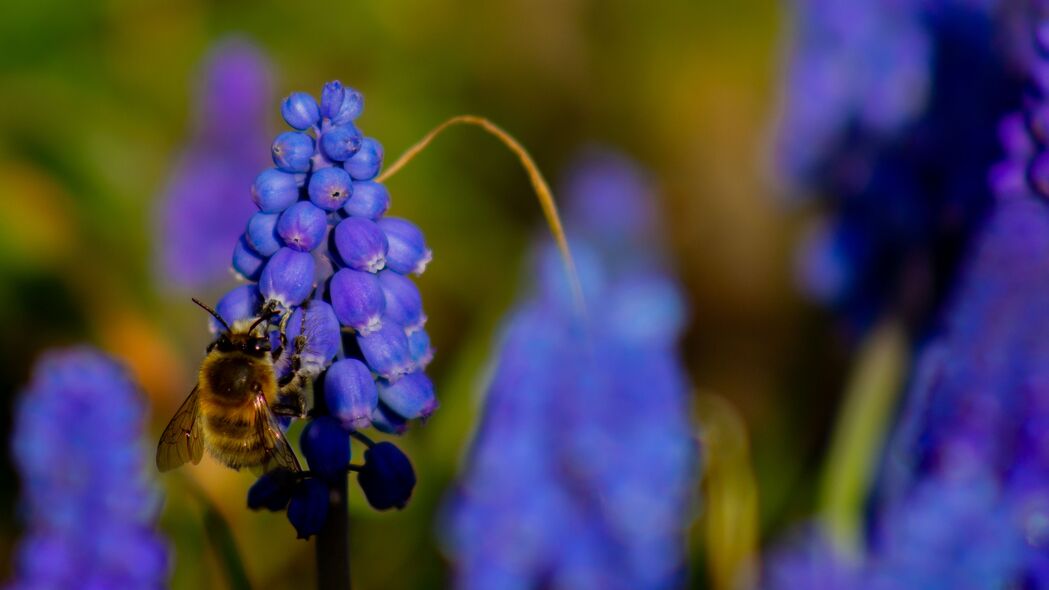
[
  {"x": 182, "y": 440},
  {"x": 278, "y": 452}
]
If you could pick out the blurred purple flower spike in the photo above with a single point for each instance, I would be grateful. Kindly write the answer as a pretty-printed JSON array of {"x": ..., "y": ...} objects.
[{"x": 203, "y": 207}]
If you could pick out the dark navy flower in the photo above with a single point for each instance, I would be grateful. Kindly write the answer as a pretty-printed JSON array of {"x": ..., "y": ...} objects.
[
  {"x": 90, "y": 505},
  {"x": 387, "y": 477},
  {"x": 313, "y": 252},
  {"x": 889, "y": 123},
  {"x": 200, "y": 213},
  {"x": 584, "y": 465}
]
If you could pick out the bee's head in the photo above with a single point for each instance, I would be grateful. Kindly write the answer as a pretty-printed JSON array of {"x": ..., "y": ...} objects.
[{"x": 246, "y": 342}]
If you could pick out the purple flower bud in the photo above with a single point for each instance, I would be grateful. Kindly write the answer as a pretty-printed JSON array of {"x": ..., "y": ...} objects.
[
  {"x": 351, "y": 107},
  {"x": 322, "y": 331},
  {"x": 308, "y": 507},
  {"x": 275, "y": 191},
  {"x": 330, "y": 188},
  {"x": 386, "y": 420},
  {"x": 410, "y": 397},
  {"x": 246, "y": 261},
  {"x": 408, "y": 252},
  {"x": 404, "y": 304},
  {"x": 302, "y": 226},
  {"x": 240, "y": 304},
  {"x": 300, "y": 111},
  {"x": 386, "y": 349},
  {"x": 420, "y": 349},
  {"x": 361, "y": 244},
  {"x": 292, "y": 151},
  {"x": 370, "y": 199},
  {"x": 331, "y": 99},
  {"x": 341, "y": 142},
  {"x": 326, "y": 447},
  {"x": 262, "y": 233},
  {"x": 366, "y": 163},
  {"x": 358, "y": 300},
  {"x": 272, "y": 491},
  {"x": 387, "y": 477},
  {"x": 350, "y": 393},
  {"x": 288, "y": 277}
]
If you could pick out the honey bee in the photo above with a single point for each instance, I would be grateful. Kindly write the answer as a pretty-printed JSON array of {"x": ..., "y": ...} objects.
[{"x": 229, "y": 410}]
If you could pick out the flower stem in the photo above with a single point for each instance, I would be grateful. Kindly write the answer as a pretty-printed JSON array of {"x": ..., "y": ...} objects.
[
  {"x": 333, "y": 542},
  {"x": 542, "y": 190}
]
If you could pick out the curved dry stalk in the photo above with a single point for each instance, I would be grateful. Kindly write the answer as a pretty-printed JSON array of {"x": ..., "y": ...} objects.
[{"x": 542, "y": 190}]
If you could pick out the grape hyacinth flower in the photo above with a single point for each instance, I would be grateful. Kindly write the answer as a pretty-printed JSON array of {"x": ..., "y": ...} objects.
[
  {"x": 583, "y": 467},
  {"x": 321, "y": 251},
  {"x": 202, "y": 208},
  {"x": 888, "y": 125},
  {"x": 89, "y": 503}
]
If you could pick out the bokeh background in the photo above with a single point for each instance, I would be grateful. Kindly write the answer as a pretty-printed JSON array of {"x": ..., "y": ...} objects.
[{"x": 97, "y": 104}]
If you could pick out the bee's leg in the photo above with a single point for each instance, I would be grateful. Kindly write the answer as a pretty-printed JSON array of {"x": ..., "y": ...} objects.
[{"x": 290, "y": 400}]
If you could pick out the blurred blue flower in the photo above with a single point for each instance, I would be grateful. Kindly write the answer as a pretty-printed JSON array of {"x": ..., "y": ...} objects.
[
  {"x": 889, "y": 122},
  {"x": 88, "y": 500},
  {"x": 583, "y": 469},
  {"x": 336, "y": 269},
  {"x": 203, "y": 207}
]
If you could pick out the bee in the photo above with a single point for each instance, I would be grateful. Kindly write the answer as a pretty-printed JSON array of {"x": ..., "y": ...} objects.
[{"x": 231, "y": 410}]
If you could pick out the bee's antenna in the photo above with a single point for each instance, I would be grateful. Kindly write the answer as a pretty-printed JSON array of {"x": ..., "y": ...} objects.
[
  {"x": 267, "y": 313},
  {"x": 214, "y": 313}
]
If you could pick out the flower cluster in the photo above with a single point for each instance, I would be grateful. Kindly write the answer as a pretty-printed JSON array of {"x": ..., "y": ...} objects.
[
  {"x": 889, "y": 120},
  {"x": 89, "y": 504},
  {"x": 582, "y": 470},
  {"x": 199, "y": 214},
  {"x": 322, "y": 251}
]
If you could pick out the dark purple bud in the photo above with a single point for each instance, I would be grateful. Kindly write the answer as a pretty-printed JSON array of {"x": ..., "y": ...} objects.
[
  {"x": 302, "y": 226},
  {"x": 272, "y": 491},
  {"x": 386, "y": 420},
  {"x": 246, "y": 261},
  {"x": 292, "y": 151},
  {"x": 341, "y": 142},
  {"x": 288, "y": 277},
  {"x": 420, "y": 349},
  {"x": 387, "y": 477},
  {"x": 331, "y": 99},
  {"x": 361, "y": 244},
  {"x": 300, "y": 111},
  {"x": 274, "y": 190},
  {"x": 366, "y": 163},
  {"x": 326, "y": 447},
  {"x": 330, "y": 188},
  {"x": 322, "y": 331},
  {"x": 404, "y": 304},
  {"x": 349, "y": 390},
  {"x": 308, "y": 507},
  {"x": 386, "y": 350},
  {"x": 351, "y": 107},
  {"x": 408, "y": 252},
  {"x": 410, "y": 397},
  {"x": 262, "y": 233},
  {"x": 240, "y": 304},
  {"x": 370, "y": 199},
  {"x": 357, "y": 299}
]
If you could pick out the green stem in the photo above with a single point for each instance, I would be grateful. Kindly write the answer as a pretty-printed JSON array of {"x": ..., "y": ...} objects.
[{"x": 333, "y": 542}]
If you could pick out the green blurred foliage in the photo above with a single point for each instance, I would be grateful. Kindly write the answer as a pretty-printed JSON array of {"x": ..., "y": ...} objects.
[{"x": 95, "y": 105}]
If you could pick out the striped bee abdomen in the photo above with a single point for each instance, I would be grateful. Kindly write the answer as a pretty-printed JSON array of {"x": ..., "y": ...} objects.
[{"x": 233, "y": 438}]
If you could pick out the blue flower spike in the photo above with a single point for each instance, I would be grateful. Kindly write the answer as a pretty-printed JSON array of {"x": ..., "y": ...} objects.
[
  {"x": 300, "y": 111},
  {"x": 361, "y": 244},
  {"x": 387, "y": 477},
  {"x": 366, "y": 162},
  {"x": 330, "y": 188},
  {"x": 327, "y": 448},
  {"x": 292, "y": 151},
  {"x": 321, "y": 252},
  {"x": 351, "y": 394}
]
